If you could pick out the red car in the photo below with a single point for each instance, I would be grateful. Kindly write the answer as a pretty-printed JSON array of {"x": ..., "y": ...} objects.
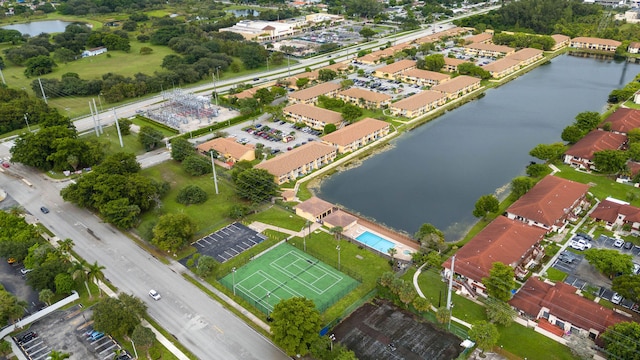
[{"x": 5, "y": 165}]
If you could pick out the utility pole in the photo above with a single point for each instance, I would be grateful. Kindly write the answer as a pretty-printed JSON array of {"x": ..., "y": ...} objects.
[
  {"x": 118, "y": 127},
  {"x": 44, "y": 97},
  {"x": 27, "y": 121},
  {"x": 93, "y": 116},
  {"x": 95, "y": 108},
  {"x": 449, "y": 305},
  {"x": 2, "y": 76},
  {"x": 289, "y": 64},
  {"x": 215, "y": 178}
]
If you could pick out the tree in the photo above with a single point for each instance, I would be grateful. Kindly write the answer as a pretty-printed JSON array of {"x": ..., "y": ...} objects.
[
  {"x": 634, "y": 151},
  {"x": 256, "y": 185},
  {"x": 392, "y": 252},
  {"x": 500, "y": 312},
  {"x": 118, "y": 316},
  {"x": 125, "y": 126},
  {"x": 537, "y": 170},
  {"x": 610, "y": 161},
  {"x": 58, "y": 355},
  {"x": 326, "y": 75},
  {"x": 628, "y": 286},
  {"x": 407, "y": 293},
  {"x": 64, "y": 55},
  {"x": 588, "y": 120},
  {"x": 521, "y": 185},
  {"x": 329, "y": 128},
  {"x": 46, "y": 296},
  {"x": 143, "y": 337},
  {"x": 78, "y": 270},
  {"x": 351, "y": 112},
  {"x": 64, "y": 283},
  {"x": 609, "y": 262},
  {"x": 500, "y": 281},
  {"x": 572, "y": 134},
  {"x": 421, "y": 304},
  {"x": 39, "y": 65},
  {"x": 196, "y": 165},
  {"x": 485, "y": 334},
  {"x": 387, "y": 278},
  {"x": 434, "y": 62},
  {"x": 581, "y": 346},
  {"x": 192, "y": 194},
  {"x": 264, "y": 96},
  {"x": 173, "y": 232},
  {"x": 145, "y": 50},
  {"x": 337, "y": 232},
  {"x": 206, "y": 266},
  {"x": 634, "y": 135},
  {"x": 548, "y": 152},
  {"x": 65, "y": 246},
  {"x": 622, "y": 340},
  {"x": 486, "y": 204},
  {"x": 443, "y": 315},
  {"x": 95, "y": 274},
  {"x": 296, "y": 325},
  {"x": 367, "y": 33},
  {"x": 430, "y": 238},
  {"x": 149, "y": 137},
  {"x": 302, "y": 82}
]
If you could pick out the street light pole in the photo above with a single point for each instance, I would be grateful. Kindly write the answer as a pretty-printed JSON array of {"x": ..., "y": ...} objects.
[
  {"x": 26, "y": 119},
  {"x": 233, "y": 276},
  {"x": 338, "y": 248},
  {"x": 135, "y": 352},
  {"x": 332, "y": 337}
]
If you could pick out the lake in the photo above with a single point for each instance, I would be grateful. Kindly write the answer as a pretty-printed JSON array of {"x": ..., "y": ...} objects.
[
  {"x": 435, "y": 173},
  {"x": 243, "y": 12},
  {"x": 38, "y": 27}
]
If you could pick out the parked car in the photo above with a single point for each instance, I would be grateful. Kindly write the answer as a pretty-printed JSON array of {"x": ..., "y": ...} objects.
[
  {"x": 628, "y": 245},
  {"x": 5, "y": 165},
  {"x": 636, "y": 268},
  {"x": 618, "y": 243},
  {"x": 580, "y": 244},
  {"x": 11, "y": 260},
  {"x": 44, "y": 210},
  {"x": 154, "y": 295},
  {"x": 25, "y": 271},
  {"x": 616, "y": 298}
]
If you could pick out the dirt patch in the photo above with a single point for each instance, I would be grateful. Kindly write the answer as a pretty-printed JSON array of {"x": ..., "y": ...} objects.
[{"x": 380, "y": 330}]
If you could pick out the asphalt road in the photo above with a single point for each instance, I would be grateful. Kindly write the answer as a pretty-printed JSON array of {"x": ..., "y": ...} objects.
[{"x": 201, "y": 324}]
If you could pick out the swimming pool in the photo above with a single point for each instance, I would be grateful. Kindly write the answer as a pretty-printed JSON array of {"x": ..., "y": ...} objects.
[{"x": 374, "y": 241}]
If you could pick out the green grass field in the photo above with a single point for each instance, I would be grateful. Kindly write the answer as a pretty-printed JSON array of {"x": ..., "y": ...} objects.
[
  {"x": 603, "y": 186},
  {"x": 285, "y": 272}
]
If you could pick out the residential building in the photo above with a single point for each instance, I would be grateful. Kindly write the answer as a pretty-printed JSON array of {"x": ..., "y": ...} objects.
[
  {"x": 312, "y": 116},
  {"x": 229, "y": 149},
  {"x": 356, "y": 135},
  {"x": 590, "y": 43},
  {"x": 634, "y": 47},
  {"x": 244, "y": 94},
  {"x": 622, "y": 121},
  {"x": 299, "y": 161},
  {"x": 310, "y": 95},
  {"x": 376, "y": 56},
  {"x": 551, "y": 204},
  {"x": 561, "y": 41},
  {"x": 488, "y": 50},
  {"x": 418, "y": 104},
  {"x": 510, "y": 242},
  {"x": 293, "y": 79},
  {"x": 458, "y": 86},
  {"x": 315, "y": 209},
  {"x": 616, "y": 213},
  {"x": 262, "y": 30},
  {"x": 527, "y": 56},
  {"x": 502, "y": 67},
  {"x": 365, "y": 98},
  {"x": 451, "y": 64},
  {"x": 94, "y": 51},
  {"x": 580, "y": 154},
  {"x": 395, "y": 70},
  {"x": 340, "y": 218},
  {"x": 560, "y": 305},
  {"x": 424, "y": 77},
  {"x": 482, "y": 38}
]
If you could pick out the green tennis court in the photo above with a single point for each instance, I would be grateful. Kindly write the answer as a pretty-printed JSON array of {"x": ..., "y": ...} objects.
[{"x": 285, "y": 272}]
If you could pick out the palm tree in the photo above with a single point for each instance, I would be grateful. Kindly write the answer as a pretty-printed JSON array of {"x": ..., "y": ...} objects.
[
  {"x": 95, "y": 274},
  {"x": 45, "y": 296},
  {"x": 336, "y": 231},
  {"x": 392, "y": 252},
  {"x": 78, "y": 270},
  {"x": 15, "y": 310},
  {"x": 57, "y": 355},
  {"x": 65, "y": 246}
]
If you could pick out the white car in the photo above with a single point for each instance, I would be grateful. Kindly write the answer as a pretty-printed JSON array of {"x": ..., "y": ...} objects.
[
  {"x": 618, "y": 243},
  {"x": 580, "y": 244},
  {"x": 616, "y": 298},
  {"x": 155, "y": 295}
]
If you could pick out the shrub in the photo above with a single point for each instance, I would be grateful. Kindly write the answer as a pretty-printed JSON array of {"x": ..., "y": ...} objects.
[{"x": 192, "y": 194}]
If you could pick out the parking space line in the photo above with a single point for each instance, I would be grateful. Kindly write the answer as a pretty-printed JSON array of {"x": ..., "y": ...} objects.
[{"x": 113, "y": 344}]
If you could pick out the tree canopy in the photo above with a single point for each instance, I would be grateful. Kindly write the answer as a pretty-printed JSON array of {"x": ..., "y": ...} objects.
[
  {"x": 486, "y": 204},
  {"x": 628, "y": 286},
  {"x": 500, "y": 281},
  {"x": 296, "y": 325},
  {"x": 256, "y": 185},
  {"x": 609, "y": 262},
  {"x": 622, "y": 340},
  {"x": 173, "y": 232},
  {"x": 118, "y": 316},
  {"x": 485, "y": 334}
]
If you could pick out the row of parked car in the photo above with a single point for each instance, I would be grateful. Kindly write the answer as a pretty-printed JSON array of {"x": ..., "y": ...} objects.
[{"x": 265, "y": 132}]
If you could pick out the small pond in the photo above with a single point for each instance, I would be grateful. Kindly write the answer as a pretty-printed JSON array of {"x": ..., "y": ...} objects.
[{"x": 35, "y": 28}]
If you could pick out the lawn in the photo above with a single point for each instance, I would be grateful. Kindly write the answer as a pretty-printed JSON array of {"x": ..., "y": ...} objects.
[
  {"x": 353, "y": 258},
  {"x": 109, "y": 138},
  {"x": 208, "y": 216},
  {"x": 603, "y": 186},
  {"x": 280, "y": 217},
  {"x": 141, "y": 121}
]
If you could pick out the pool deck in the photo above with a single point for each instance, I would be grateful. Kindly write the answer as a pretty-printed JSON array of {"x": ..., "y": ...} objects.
[{"x": 359, "y": 229}]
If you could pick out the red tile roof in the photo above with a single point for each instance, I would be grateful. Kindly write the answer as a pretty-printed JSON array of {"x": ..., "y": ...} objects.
[
  {"x": 623, "y": 120},
  {"x": 549, "y": 200},
  {"x": 563, "y": 302},
  {"x": 482, "y": 37},
  {"x": 503, "y": 240},
  {"x": 609, "y": 210},
  {"x": 594, "y": 141}
]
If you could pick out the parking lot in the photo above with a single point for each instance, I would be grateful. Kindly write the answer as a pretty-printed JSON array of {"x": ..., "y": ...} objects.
[
  {"x": 228, "y": 242},
  {"x": 67, "y": 331},
  {"x": 14, "y": 281}
]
